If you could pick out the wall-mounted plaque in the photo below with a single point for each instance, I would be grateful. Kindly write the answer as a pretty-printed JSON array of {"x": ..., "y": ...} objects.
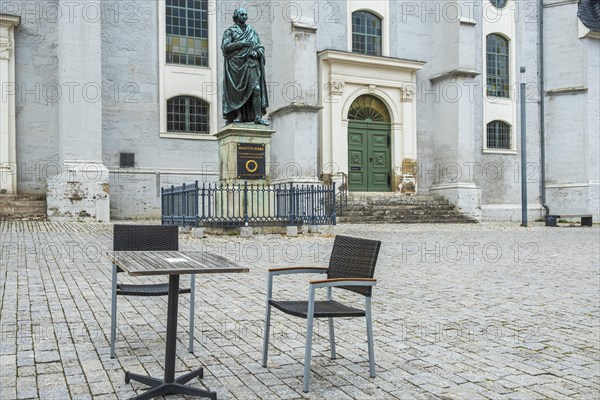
[{"x": 250, "y": 161}]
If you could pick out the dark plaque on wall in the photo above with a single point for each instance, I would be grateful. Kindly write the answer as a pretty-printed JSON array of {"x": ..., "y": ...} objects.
[{"x": 250, "y": 161}]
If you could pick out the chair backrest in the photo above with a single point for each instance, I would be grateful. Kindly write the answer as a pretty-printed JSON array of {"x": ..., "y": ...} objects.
[
  {"x": 353, "y": 258},
  {"x": 145, "y": 238}
]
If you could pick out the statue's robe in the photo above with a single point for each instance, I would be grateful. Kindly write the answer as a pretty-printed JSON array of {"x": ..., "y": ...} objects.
[
  {"x": 589, "y": 13},
  {"x": 242, "y": 73}
]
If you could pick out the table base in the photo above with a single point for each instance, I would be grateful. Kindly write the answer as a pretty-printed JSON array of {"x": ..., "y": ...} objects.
[{"x": 160, "y": 388}]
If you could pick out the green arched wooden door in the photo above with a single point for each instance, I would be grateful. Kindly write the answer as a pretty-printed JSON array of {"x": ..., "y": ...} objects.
[{"x": 369, "y": 153}]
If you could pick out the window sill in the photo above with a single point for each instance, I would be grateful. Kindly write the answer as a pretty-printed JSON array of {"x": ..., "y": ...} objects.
[
  {"x": 500, "y": 151},
  {"x": 186, "y": 66},
  {"x": 497, "y": 99},
  {"x": 188, "y": 136}
]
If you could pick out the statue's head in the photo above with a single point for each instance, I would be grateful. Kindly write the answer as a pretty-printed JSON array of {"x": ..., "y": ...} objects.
[{"x": 240, "y": 15}]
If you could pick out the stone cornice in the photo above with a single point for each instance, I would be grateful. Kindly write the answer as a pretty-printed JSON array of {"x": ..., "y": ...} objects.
[
  {"x": 295, "y": 107},
  {"x": 344, "y": 57},
  {"x": 246, "y": 129},
  {"x": 455, "y": 73},
  {"x": 9, "y": 20},
  {"x": 558, "y": 3},
  {"x": 304, "y": 25},
  {"x": 566, "y": 91}
]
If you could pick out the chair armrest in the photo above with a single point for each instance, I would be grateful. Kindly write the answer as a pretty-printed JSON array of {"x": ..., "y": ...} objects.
[
  {"x": 291, "y": 270},
  {"x": 344, "y": 282},
  {"x": 298, "y": 270}
]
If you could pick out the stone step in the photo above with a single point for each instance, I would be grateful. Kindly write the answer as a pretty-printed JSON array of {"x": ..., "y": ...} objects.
[
  {"x": 394, "y": 200},
  {"x": 394, "y": 208},
  {"x": 31, "y": 207},
  {"x": 24, "y": 196},
  {"x": 381, "y": 207},
  {"x": 458, "y": 220}
]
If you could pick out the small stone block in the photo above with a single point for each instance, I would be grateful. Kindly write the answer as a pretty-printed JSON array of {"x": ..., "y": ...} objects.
[
  {"x": 291, "y": 231},
  {"x": 313, "y": 228},
  {"x": 197, "y": 233},
  {"x": 246, "y": 231},
  {"x": 326, "y": 230}
]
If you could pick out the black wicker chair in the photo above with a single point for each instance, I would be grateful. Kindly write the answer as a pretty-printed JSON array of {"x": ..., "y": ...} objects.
[
  {"x": 145, "y": 238},
  {"x": 351, "y": 267}
]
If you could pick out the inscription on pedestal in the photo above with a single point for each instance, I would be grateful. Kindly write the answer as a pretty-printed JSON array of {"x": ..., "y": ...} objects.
[{"x": 250, "y": 161}]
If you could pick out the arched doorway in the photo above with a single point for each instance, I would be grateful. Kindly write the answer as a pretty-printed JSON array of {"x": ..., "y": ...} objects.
[{"x": 369, "y": 145}]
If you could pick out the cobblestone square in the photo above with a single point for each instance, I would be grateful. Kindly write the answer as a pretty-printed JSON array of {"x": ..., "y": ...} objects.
[{"x": 478, "y": 311}]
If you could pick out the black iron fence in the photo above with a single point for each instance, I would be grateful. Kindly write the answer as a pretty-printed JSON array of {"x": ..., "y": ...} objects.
[
  {"x": 342, "y": 194},
  {"x": 234, "y": 205}
]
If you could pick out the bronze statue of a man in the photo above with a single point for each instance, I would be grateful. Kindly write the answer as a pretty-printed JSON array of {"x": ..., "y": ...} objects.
[{"x": 244, "y": 87}]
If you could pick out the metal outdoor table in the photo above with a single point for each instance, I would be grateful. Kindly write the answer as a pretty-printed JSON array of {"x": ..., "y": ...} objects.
[{"x": 172, "y": 263}]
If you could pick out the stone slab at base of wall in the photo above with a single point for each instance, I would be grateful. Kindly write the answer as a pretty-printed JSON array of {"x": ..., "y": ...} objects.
[
  {"x": 257, "y": 230},
  {"x": 573, "y": 199},
  {"x": 321, "y": 229},
  {"x": 465, "y": 196},
  {"x": 272, "y": 230},
  {"x": 197, "y": 233},
  {"x": 510, "y": 212},
  {"x": 81, "y": 192},
  {"x": 594, "y": 200}
]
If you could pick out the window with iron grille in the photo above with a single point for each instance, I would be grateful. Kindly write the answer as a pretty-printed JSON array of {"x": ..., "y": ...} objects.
[
  {"x": 497, "y": 66},
  {"x": 187, "y": 32},
  {"x": 498, "y": 135},
  {"x": 126, "y": 160},
  {"x": 366, "y": 33},
  {"x": 187, "y": 114}
]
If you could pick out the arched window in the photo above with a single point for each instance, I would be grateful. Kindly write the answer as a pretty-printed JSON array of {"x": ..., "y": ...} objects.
[
  {"x": 498, "y": 3},
  {"x": 366, "y": 33},
  {"x": 368, "y": 108},
  {"x": 187, "y": 114},
  {"x": 497, "y": 66},
  {"x": 498, "y": 135},
  {"x": 187, "y": 32}
]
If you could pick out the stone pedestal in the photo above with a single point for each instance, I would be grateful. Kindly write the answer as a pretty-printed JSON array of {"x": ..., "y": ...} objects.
[
  {"x": 244, "y": 156},
  {"x": 243, "y": 143}
]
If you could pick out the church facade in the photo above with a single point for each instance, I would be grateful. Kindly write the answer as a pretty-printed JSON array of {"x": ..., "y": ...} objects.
[{"x": 103, "y": 103}]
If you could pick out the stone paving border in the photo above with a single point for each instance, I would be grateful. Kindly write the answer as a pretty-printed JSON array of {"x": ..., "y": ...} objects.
[{"x": 486, "y": 311}]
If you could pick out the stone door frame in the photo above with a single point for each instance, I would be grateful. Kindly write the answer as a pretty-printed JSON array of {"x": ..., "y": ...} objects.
[{"x": 346, "y": 76}]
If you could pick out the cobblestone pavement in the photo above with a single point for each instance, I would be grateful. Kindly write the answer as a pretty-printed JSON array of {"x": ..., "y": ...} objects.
[{"x": 460, "y": 312}]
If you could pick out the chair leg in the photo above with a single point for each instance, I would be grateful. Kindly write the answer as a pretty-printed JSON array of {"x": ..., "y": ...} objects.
[
  {"x": 332, "y": 339},
  {"x": 370, "y": 337},
  {"x": 266, "y": 335},
  {"x": 113, "y": 312},
  {"x": 192, "y": 306},
  {"x": 267, "y": 320},
  {"x": 309, "y": 332},
  {"x": 331, "y": 331}
]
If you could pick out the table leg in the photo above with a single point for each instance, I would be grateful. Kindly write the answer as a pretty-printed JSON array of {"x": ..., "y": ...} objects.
[
  {"x": 173, "y": 304},
  {"x": 170, "y": 384}
]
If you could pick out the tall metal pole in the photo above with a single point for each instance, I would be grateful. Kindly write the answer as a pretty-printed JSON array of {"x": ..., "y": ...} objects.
[{"x": 523, "y": 150}]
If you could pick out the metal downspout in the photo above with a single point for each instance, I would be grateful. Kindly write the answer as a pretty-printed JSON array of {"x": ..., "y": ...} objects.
[{"x": 542, "y": 111}]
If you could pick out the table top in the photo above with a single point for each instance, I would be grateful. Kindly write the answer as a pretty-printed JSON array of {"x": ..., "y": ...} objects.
[{"x": 173, "y": 263}]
